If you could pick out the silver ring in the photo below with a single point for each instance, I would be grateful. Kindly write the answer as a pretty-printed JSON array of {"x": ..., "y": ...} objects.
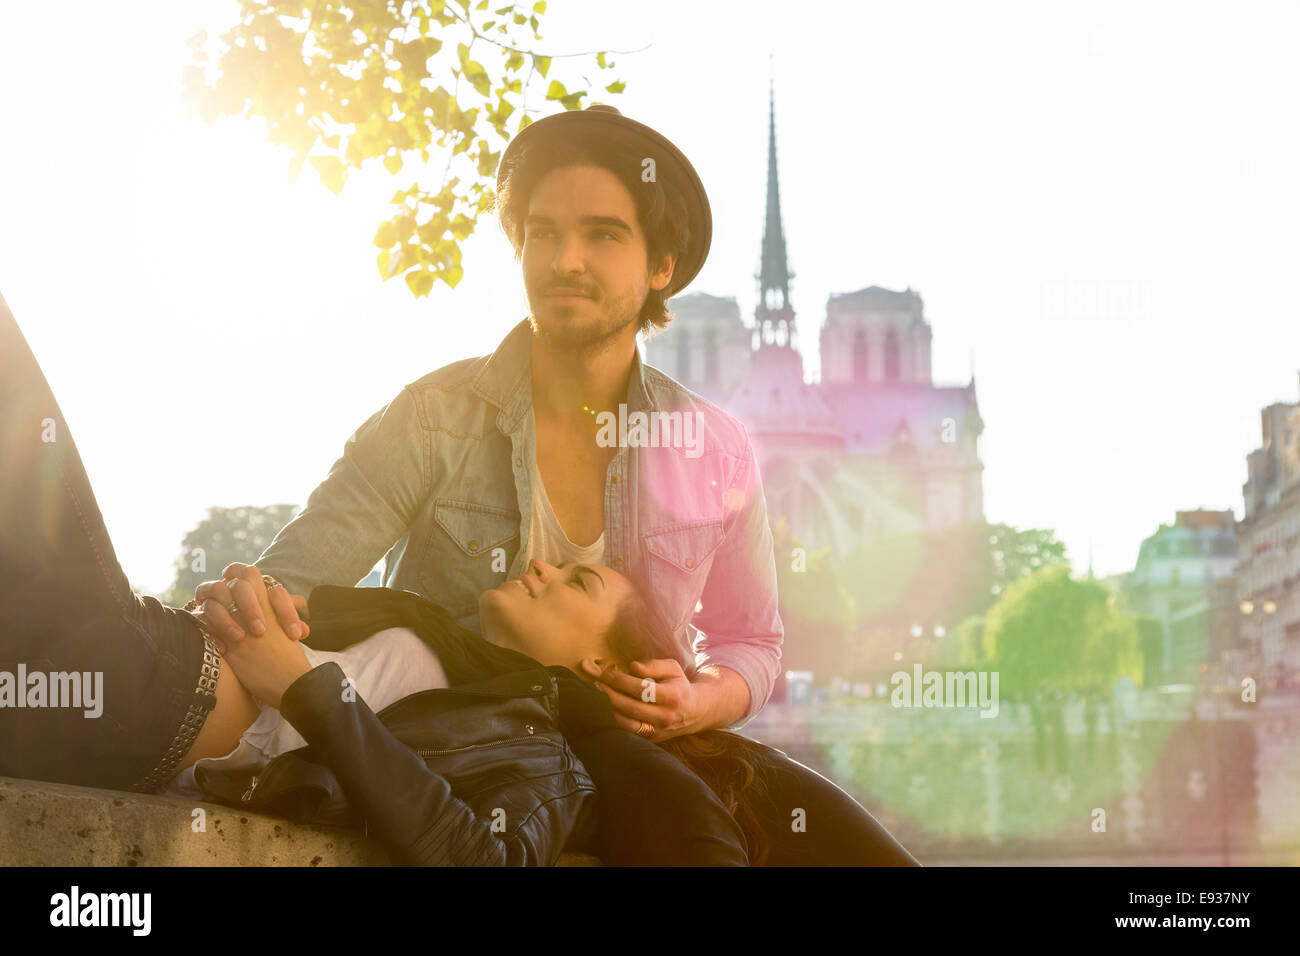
[
  {"x": 270, "y": 582},
  {"x": 233, "y": 608},
  {"x": 645, "y": 730}
]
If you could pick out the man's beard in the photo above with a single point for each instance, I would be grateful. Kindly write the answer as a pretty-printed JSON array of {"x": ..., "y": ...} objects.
[{"x": 582, "y": 335}]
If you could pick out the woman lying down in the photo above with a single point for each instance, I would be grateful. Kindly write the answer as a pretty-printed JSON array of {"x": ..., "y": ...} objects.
[{"x": 395, "y": 750}]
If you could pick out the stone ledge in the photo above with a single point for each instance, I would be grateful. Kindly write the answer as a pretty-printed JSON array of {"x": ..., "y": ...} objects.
[{"x": 54, "y": 824}]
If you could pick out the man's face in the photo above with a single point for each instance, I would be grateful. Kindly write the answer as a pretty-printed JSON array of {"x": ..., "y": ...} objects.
[{"x": 584, "y": 258}]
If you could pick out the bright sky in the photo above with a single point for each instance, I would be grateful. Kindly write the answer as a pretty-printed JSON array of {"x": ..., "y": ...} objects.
[{"x": 1098, "y": 199}]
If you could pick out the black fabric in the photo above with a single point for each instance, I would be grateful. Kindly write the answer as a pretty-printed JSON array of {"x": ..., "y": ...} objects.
[
  {"x": 66, "y": 605},
  {"x": 832, "y": 829},
  {"x": 438, "y": 808},
  {"x": 652, "y": 809}
]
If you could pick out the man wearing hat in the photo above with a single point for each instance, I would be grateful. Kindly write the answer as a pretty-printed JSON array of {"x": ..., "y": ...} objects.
[{"x": 495, "y": 467}]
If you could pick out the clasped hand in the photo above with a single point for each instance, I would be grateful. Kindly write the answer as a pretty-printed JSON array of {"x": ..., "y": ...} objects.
[
  {"x": 269, "y": 662},
  {"x": 236, "y": 589}
]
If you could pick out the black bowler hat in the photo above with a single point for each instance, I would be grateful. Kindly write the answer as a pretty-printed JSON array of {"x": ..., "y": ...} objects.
[{"x": 671, "y": 166}]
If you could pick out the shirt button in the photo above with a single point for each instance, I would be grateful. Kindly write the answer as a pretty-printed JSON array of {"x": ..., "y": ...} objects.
[
  {"x": 473, "y": 545},
  {"x": 519, "y": 462},
  {"x": 690, "y": 562},
  {"x": 617, "y": 562},
  {"x": 615, "y": 479}
]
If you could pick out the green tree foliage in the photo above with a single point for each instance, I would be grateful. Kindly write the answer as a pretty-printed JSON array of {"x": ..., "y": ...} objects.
[
  {"x": 816, "y": 609},
  {"x": 1052, "y": 633},
  {"x": 225, "y": 535},
  {"x": 893, "y": 582},
  {"x": 962, "y": 648},
  {"x": 1017, "y": 552},
  {"x": 1151, "y": 639},
  {"x": 346, "y": 83}
]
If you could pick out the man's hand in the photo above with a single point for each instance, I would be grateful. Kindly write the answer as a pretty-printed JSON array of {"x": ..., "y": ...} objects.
[
  {"x": 268, "y": 664},
  {"x": 656, "y": 692},
  {"x": 236, "y": 587},
  {"x": 659, "y": 693}
]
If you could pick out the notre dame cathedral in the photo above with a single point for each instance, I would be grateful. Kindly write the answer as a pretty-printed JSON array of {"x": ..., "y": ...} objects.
[{"x": 875, "y": 448}]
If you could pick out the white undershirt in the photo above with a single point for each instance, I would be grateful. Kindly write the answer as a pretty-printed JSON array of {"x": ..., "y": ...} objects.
[
  {"x": 547, "y": 540},
  {"x": 385, "y": 667}
]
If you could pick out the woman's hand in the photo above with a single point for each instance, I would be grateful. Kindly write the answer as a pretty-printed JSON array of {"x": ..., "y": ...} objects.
[
  {"x": 266, "y": 665},
  {"x": 217, "y": 596}
]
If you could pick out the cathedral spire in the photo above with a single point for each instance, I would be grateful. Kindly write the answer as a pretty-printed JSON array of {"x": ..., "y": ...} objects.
[
  {"x": 774, "y": 317},
  {"x": 774, "y": 272}
]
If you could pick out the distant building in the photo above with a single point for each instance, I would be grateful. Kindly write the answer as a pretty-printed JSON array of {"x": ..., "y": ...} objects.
[
  {"x": 1268, "y": 567},
  {"x": 875, "y": 447},
  {"x": 1173, "y": 581}
]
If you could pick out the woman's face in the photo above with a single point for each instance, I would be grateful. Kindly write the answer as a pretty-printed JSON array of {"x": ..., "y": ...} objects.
[{"x": 555, "y": 615}]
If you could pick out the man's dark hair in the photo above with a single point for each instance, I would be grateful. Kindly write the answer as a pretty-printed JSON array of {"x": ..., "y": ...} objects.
[{"x": 661, "y": 208}]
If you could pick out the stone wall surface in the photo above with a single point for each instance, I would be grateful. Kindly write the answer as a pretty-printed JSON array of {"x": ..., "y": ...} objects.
[{"x": 51, "y": 824}]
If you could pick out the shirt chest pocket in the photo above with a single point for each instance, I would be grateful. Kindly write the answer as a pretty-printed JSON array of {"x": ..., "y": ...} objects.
[
  {"x": 470, "y": 550},
  {"x": 678, "y": 561}
]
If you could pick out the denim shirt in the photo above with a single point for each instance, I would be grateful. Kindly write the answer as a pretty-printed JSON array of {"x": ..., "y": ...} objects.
[{"x": 439, "y": 481}]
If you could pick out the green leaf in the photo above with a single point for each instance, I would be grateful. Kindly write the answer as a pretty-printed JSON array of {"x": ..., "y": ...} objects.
[
  {"x": 332, "y": 172},
  {"x": 393, "y": 163},
  {"x": 385, "y": 235},
  {"x": 478, "y": 78},
  {"x": 439, "y": 101},
  {"x": 539, "y": 6},
  {"x": 556, "y": 91},
  {"x": 487, "y": 162},
  {"x": 461, "y": 227},
  {"x": 600, "y": 59},
  {"x": 616, "y": 87},
  {"x": 543, "y": 63},
  {"x": 515, "y": 60},
  {"x": 419, "y": 282}
]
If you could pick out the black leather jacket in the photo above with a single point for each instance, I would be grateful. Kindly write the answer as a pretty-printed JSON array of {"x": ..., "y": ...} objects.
[{"x": 510, "y": 765}]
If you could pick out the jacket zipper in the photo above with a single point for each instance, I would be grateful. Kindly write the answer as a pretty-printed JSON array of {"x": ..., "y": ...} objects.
[
  {"x": 257, "y": 778},
  {"x": 494, "y": 743}
]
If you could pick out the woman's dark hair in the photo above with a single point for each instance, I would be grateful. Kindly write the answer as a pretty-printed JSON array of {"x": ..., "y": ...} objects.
[
  {"x": 661, "y": 208},
  {"x": 728, "y": 763}
]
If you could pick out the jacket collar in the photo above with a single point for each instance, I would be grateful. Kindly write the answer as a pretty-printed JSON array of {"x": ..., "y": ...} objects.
[{"x": 506, "y": 379}]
